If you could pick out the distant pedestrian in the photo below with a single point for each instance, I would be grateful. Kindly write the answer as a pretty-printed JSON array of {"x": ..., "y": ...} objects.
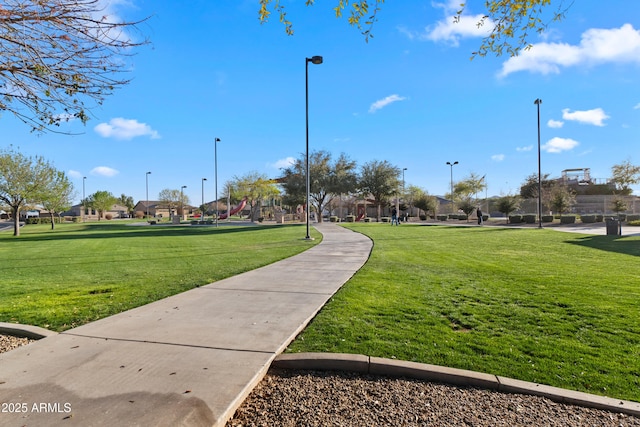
[
  {"x": 394, "y": 216},
  {"x": 479, "y": 214}
]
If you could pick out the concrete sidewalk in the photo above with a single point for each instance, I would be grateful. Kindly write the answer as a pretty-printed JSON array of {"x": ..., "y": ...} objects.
[{"x": 186, "y": 360}]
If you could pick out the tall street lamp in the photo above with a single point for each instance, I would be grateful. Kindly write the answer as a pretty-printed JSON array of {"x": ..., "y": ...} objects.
[
  {"x": 147, "y": 184},
  {"x": 202, "y": 213},
  {"x": 538, "y": 102},
  {"x": 314, "y": 60},
  {"x": 182, "y": 202},
  {"x": 84, "y": 178},
  {"x": 451, "y": 165},
  {"x": 215, "y": 156},
  {"x": 403, "y": 195}
]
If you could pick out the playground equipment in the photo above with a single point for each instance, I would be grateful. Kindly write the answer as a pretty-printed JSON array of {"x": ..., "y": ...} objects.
[{"x": 235, "y": 210}]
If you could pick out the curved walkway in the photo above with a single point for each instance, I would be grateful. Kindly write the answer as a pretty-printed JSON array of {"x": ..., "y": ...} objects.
[{"x": 186, "y": 360}]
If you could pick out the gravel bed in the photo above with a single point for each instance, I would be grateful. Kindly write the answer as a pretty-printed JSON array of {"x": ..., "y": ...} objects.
[
  {"x": 318, "y": 398},
  {"x": 314, "y": 398},
  {"x": 9, "y": 342}
]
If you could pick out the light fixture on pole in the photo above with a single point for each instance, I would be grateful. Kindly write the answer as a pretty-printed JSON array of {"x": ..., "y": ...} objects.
[
  {"x": 84, "y": 178},
  {"x": 182, "y": 202},
  {"x": 215, "y": 178},
  {"x": 451, "y": 165},
  {"x": 202, "y": 207},
  {"x": 538, "y": 102},
  {"x": 147, "y": 187},
  {"x": 314, "y": 60}
]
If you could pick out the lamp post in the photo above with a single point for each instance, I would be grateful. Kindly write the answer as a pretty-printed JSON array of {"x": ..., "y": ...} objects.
[
  {"x": 403, "y": 195},
  {"x": 182, "y": 202},
  {"x": 215, "y": 178},
  {"x": 147, "y": 187},
  {"x": 451, "y": 165},
  {"x": 538, "y": 102},
  {"x": 84, "y": 178},
  {"x": 202, "y": 213},
  {"x": 314, "y": 60}
]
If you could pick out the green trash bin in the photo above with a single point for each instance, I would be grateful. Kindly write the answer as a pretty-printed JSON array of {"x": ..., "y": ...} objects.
[{"x": 613, "y": 227}]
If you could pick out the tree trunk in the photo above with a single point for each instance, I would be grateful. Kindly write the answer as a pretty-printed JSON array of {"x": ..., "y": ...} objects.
[
  {"x": 52, "y": 220},
  {"x": 16, "y": 220}
]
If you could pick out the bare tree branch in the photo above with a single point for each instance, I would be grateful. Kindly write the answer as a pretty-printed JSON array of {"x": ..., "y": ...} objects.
[{"x": 60, "y": 58}]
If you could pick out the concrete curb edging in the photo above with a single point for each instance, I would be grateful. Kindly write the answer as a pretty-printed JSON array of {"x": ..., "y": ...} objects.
[
  {"x": 25, "y": 331},
  {"x": 397, "y": 368}
]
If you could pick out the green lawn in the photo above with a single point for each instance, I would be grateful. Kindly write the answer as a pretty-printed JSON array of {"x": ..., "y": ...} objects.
[
  {"x": 78, "y": 273},
  {"x": 537, "y": 305}
]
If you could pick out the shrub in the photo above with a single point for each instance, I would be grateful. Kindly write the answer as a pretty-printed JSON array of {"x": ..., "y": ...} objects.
[
  {"x": 529, "y": 218},
  {"x": 367, "y": 219},
  {"x": 385, "y": 219},
  {"x": 635, "y": 223},
  {"x": 333, "y": 218},
  {"x": 622, "y": 217},
  {"x": 423, "y": 217},
  {"x": 515, "y": 219},
  {"x": 567, "y": 219},
  {"x": 547, "y": 218},
  {"x": 108, "y": 217},
  {"x": 588, "y": 219},
  {"x": 599, "y": 218},
  {"x": 485, "y": 217},
  {"x": 442, "y": 217},
  {"x": 350, "y": 218},
  {"x": 633, "y": 217}
]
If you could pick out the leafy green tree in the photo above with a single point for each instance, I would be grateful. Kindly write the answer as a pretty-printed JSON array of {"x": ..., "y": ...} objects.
[
  {"x": 255, "y": 187},
  {"x": 467, "y": 205},
  {"x": 127, "y": 201},
  {"x": 59, "y": 59},
  {"x": 508, "y": 204},
  {"x": 624, "y": 176},
  {"x": 57, "y": 195},
  {"x": 470, "y": 186},
  {"x": 23, "y": 180},
  {"x": 562, "y": 198},
  {"x": 507, "y": 19},
  {"x": 426, "y": 202},
  {"x": 102, "y": 201},
  {"x": 618, "y": 205},
  {"x": 380, "y": 180},
  {"x": 327, "y": 179}
]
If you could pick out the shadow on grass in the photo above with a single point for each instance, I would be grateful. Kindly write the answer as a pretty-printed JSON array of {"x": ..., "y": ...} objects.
[
  {"x": 628, "y": 245},
  {"x": 106, "y": 231}
]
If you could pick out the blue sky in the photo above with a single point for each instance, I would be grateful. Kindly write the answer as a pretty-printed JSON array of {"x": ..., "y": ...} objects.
[{"x": 411, "y": 95}]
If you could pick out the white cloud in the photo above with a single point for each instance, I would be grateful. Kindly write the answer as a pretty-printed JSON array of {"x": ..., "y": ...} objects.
[
  {"x": 527, "y": 148},
  {"x": 555, "y": 124},
  {"x": 637, "y": 107},
  {"x": 75, "y": 174},
  {"x": 451, "y": 31},
  {"x": 125, "y": 129},
  {"x": 104, "y": 171},
  {"x": 597, "y": 46},
  {"x": 558, "y": 145},
  {"x": 497, "y": 157},
  {"x": 283, "y": 163},
  {"x": 591, "y": 117},
  {"x": 381, "y": 103}
]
